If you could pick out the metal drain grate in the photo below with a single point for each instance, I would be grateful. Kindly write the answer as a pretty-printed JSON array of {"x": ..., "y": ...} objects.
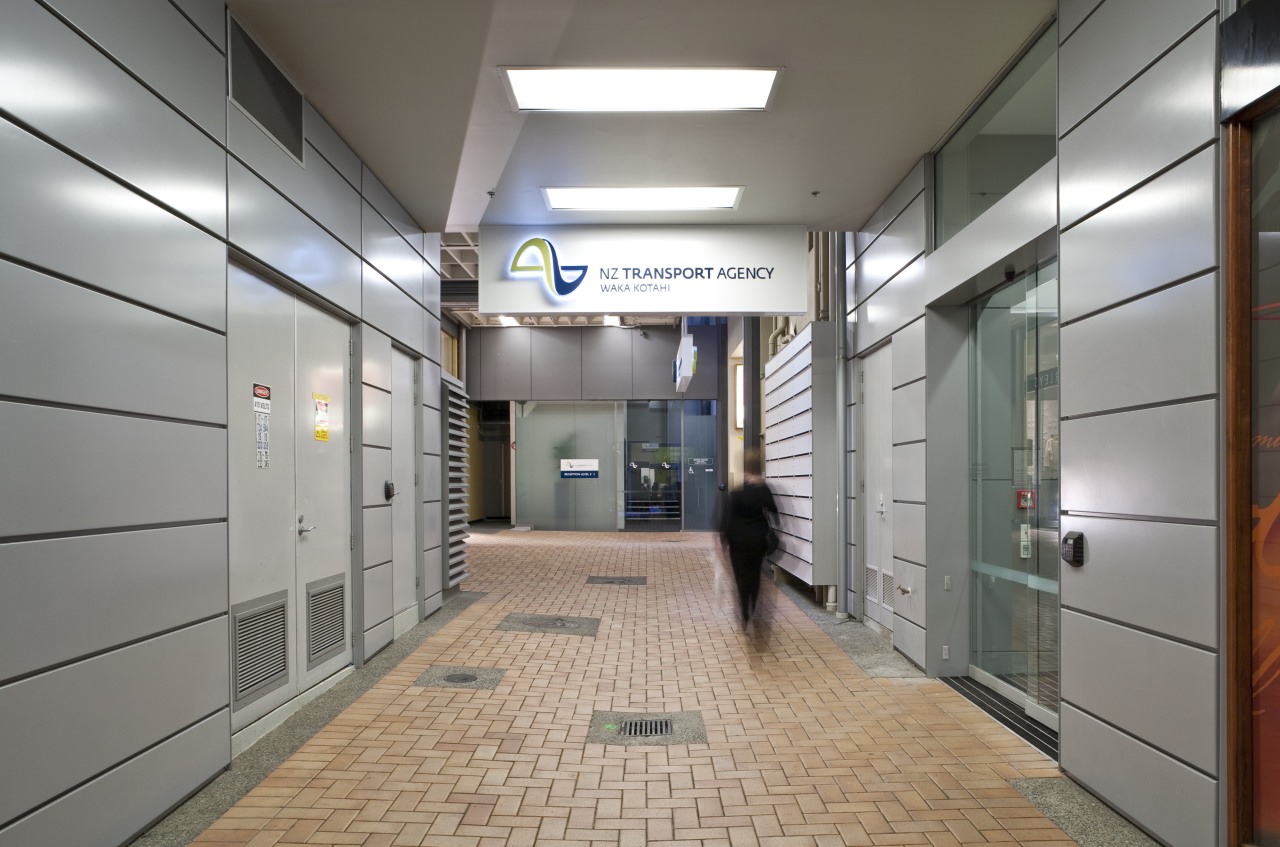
[
  {"x": 617, "y": 580},
  {"x": 645, "y": 729},
  {"x": 460, "y": 677}
]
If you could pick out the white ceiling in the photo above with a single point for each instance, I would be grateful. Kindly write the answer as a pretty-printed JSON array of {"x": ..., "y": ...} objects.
[{"x": 869, "y": 87}]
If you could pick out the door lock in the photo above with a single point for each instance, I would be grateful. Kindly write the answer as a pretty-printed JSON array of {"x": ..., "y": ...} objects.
[
  {"x": 303, "y": 529},
  {"x": 881, "y": 510}
]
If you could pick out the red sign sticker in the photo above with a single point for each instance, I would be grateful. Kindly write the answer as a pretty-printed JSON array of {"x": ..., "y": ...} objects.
[{"x": 263, "y": 391}]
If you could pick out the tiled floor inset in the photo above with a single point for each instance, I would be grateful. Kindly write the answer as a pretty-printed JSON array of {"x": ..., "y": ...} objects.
[
  {"x": 803, "y": 748},
  {"x": 617, "y": 580},
  {"x": 550, "y": 624},
  {"x": 439, "y": 676}
]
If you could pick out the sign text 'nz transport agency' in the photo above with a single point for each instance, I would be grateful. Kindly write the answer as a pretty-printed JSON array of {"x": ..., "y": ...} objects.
[{"x": 606, "y": 270}]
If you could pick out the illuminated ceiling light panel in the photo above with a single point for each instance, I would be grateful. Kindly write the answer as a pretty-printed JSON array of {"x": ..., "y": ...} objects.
[
  {"x": 507, "y": 320},
  {"x": 611, "y": 320},
  {"x": 663, "y": 199},
  {"x": 640, "y": 89}
]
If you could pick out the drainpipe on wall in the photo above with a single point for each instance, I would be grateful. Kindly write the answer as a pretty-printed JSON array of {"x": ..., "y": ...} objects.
[{"x": 779, "y": 327}]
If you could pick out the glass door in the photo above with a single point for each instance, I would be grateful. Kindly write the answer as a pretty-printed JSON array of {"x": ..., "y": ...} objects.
[{"x": 1014, "y": 529}]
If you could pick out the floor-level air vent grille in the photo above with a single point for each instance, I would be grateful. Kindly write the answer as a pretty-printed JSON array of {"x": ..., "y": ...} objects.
[
  {"x": 641, "y": 729},
  {"x": 326, "y": 619},
  {"x": 261, "y": 649}
]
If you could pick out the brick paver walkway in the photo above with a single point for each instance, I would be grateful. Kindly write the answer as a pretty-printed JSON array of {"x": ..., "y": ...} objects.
[{"x": 804, "y": 748}]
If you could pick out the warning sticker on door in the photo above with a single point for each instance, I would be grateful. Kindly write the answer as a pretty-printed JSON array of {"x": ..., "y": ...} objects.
[
  {"x": 322, "y": 416},
  {"x": 264, "y": 439},
  {"x": 262, "y": 398}
]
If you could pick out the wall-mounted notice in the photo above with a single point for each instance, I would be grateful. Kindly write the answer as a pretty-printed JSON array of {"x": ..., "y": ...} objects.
[
  {"x": 262, "y": 423},
  {"x": 621, "y": 270},
  {"x": 579, "y": 468},
  {"x": 322, "y": 416}
]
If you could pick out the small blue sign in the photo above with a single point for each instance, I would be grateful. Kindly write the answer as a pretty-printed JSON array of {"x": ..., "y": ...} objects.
[{"x": 579, "y": 474}]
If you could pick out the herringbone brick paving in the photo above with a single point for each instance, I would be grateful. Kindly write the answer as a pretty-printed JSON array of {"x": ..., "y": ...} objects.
[{"x": 804, "y": 749}]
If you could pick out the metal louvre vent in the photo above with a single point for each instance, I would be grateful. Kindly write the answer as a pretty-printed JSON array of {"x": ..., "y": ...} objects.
[
  {"x": 457, "y": 558},
  {"x": 872, "y": 584},
  {"x": 637, "y": 729},
  {"x": 326, "y": 619},
  {"x": 261, "y": 647},
  {"x": 264, "y": 93},
  {"x": 886, "y": 589}
]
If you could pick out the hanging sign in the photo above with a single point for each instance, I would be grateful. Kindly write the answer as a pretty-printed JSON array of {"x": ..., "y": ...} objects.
[
  {"x": 692, "y": 270},
  {"x": 579, "y": 468},
  {"x": 322, "y": 416}
]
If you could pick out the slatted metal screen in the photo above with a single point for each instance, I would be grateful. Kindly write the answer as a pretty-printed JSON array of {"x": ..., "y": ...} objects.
[
  {"x": 456, "y": 453},
  {"x": 326, "y": 619},
  {"x": 260, "y": 649}
]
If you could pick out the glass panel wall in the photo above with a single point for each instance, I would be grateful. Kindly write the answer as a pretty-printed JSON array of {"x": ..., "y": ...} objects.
[
  {"x": 1014, "y": 557},
  {"x": 1007, "y": 138},
  {"x": 548, "y": 434},
  {"x": 653, "y": 465},
  {"x": 702, "y": 471}
]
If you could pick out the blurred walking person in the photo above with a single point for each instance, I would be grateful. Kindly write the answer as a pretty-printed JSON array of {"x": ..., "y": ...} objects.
[{"x": 745, "y": 528}]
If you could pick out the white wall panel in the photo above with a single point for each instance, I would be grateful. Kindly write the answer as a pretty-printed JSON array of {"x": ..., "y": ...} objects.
[
  {"x": 1166, "y": 113},
  {"x": 1159, "y": 348},
  {"x": 431, "y": 479},
  {"x": 431, "y": 385},
  {"x": 909, "y": 533},
  {"x": 105, "y": 352},
  {"x": 56, "y": 82},
  {"x": 1159, "y": 462},
  {"x": 431, "y": 537},
  {"x": 892, "y": 307},
  {"x": 140, "y": 695},
  {"x": 375, "y": 408},
  {"x": 375, "y": 348},
  {"x": 377, "y": 536},
  {"x": 908, "y": 412},
  {"x": 1157, "y": 576},
  {"x": 378, "y": 637},
  {"x": 107, "y": 590},
  {"x": 908, "y": 354},
  {"x": 388, "y": 207},
  {"x": 265, "y": 225},
  {"x": 390, "y": 309},
  {"x": 70, "y": 470},
  {"x": 798, "y": 405},
  {"x": 908, "y": 472},
  {"x": 317, "y": 189},
  {"x": 909, "y": 590},
  {"x": 1164, "y": 231},
  {"x": 909, "y": 639},
  {"x": 123, "y": 243},
  {"x": 1159, "y": 690},
  {"x": 898, "y": 246},
  {"x": 1170, "y": 799},
  {"x": 906, "y": 191},
  {"x": 386, "y": 250},
  {"x": 377, "y": 595},
  {"x": 328, "y": 144},
  {"x": 431, "y": 430},
  {"x": 431, "y": 335},
  {"x": 1114, "y": 45},
  {"x": 377, "y": 470},
  {"x": 169, "y": 54}
]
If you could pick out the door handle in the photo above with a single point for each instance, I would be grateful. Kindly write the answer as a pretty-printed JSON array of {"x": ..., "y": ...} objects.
[
  {"x": 881, "y": 510},
  {"x": 905, "y": 591},
  {"x": 303, "y": 529}
]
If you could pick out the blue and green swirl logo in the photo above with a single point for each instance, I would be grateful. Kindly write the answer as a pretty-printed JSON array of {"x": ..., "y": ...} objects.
[{"x": 551, "y": 269}]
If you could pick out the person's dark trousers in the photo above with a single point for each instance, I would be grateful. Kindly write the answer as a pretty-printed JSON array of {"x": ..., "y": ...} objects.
[{"x": 746, "y": 572}]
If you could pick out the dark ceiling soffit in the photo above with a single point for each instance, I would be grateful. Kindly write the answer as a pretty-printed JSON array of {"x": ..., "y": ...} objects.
[{"x": 1250, "y": 57}]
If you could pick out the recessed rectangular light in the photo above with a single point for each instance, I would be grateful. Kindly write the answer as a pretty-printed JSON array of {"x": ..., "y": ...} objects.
[
  {"x": 507, "y": 320},
  {"x": 611, "y": 320},
  {"x": 640, "y": 89},
  {"x": 649, "y": 199}
]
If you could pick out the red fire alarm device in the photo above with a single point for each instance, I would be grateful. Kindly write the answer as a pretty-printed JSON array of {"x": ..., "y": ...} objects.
[{"x": 1026, "y": 498}]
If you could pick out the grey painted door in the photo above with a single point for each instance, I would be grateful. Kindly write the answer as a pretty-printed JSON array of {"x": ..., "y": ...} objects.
[{"x": 877, "y": 470}]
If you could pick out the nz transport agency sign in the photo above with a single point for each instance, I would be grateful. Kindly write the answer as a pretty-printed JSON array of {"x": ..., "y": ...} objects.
[{"x": 693, "y": 270}]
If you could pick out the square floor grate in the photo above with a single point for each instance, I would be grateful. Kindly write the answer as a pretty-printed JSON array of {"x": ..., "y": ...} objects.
[
  {"x": 617, "y": 580},
  {"x": 646, "y": 729}
]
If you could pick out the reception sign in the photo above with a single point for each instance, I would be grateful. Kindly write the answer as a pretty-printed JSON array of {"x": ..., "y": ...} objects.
[{"x": 601, "y": 270}]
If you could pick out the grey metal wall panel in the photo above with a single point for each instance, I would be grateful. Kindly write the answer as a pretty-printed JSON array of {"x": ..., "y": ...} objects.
[
  {"x": 378, "y": 637},
  {"x": 908, "y": 412},
  {"x": 431, "y": 249},
  {"x": 909, "y": 639},
  {"x": 81, "y": 719},
  {"x": 431, "y": 481},
  {"x": 1168, "y": 798},
  {"x": 652, "y": 353},
  {"x": 375, "y": 366},
  {"x": 377, "y": 470},
  {"x": 431, "y": 335},
  {"x": 68, "y": 344},
  {"x": 898, "y": 246},
  {"x": 1071, "y": 13},
  {"x": 431, "y": 384},
  {"x": 168, "y": 53},
  {"x": 377, "y": 536},
  {"x": 106, "y": 590},
  {"x": 387, "y": 205},
  {"x": 265, "y": 225},
  {"x": 73, "y": 470},
  {"x": 376, "y": 412},
  {"x": 386, "y": 250},
  {"x": 892, "y": 307},
  {"x": 1163, "y": 692},
  {"x": 1164, "y": 231},
  {"x": 210, "y": 16},
  {"x": 506, "y": 363},
  {"x": 908, "y": 354},
  {"x": 1159, "y": 462},
  {"x": 912, "y": 184},
  {"x": 431, "y": 526},
  {"x": 556, "y": 353},
  {"x": 606, "y": 364},
  {"x": 1162, "y": 347},
  {"x": 908, "y": 472},
  {"x": 137, "y": 250},
  {"x": 472, "y": 369},
  {"x": 377, "y": 595},
  {"x": 909, "y": 592},
  {"x": 1126, "y": 559},
  {"x": 317, "y": 189},
  {"x": 1114, "y": 45},
  {"x": 431, "y": 430},
  {"x": 1166, "y": 113},
  {"x": 56, "y": 82},
  {"x": 322, "y": 137},
  {"x": 117, "y": 805},
  {"x": 909, "y": 533}
]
